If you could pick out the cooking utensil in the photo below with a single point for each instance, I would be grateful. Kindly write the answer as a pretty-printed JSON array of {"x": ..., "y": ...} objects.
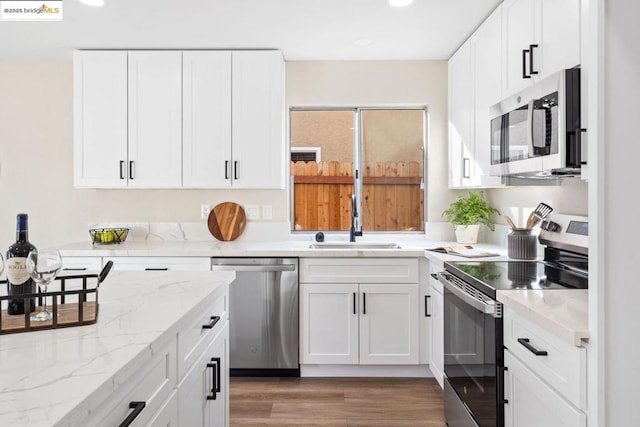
[
  {"x": 530, "y": 220},
  {"x": 227, "y": 221},
  {"x": 540, "y": 213},
  {"x": 510, "y": 222}
]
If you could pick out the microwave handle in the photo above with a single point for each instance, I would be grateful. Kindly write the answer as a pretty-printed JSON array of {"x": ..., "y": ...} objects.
[{"x": 530, "y": 128}]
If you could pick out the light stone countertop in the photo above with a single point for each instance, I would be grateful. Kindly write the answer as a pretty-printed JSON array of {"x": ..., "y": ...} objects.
[
  {"x": 57, "y": 376},
  {"x": 561, "y": 312}
]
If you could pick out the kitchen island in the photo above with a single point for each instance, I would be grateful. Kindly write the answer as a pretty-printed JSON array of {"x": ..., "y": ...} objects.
[{"x": 149, "y": 323}]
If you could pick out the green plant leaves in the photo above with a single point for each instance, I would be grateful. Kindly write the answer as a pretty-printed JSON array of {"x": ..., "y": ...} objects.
[{"x": 471, "y": 209}]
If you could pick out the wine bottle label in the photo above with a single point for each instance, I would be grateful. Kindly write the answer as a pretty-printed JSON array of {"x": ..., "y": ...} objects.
[{"x": 16, "y": 269}]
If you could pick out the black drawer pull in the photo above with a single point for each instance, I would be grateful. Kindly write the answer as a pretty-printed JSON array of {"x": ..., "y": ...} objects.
[
  {"x": 156, "y": 269},
  {"x": 215, "y": 378},
  {"x": 354, "y": 303},
  {"x": 364, "y": 303},
  {"x": 137, "y": 408},
  {"x": 426, "y": 306},
  {"x": 434, "y": 275},
  {"x": 74, "y": 269},
  {"x": 532, "y": 349},
  {"x": 212, "y": 323}
]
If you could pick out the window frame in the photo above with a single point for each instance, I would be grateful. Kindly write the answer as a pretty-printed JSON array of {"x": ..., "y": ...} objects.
[{"x": 358, "y": 146}]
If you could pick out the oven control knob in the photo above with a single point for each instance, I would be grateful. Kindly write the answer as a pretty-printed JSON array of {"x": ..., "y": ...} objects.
[{"x": 551, "y": 226}]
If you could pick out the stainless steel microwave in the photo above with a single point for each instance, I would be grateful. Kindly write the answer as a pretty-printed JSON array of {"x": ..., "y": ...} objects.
[{"x": 536, "y": 132}]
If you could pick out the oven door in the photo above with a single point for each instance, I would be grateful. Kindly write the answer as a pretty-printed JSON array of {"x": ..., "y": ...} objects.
[{"x": 473, "y": 357}]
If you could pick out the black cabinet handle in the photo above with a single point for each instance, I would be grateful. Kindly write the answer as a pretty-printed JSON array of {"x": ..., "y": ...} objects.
[
  {"x": 531, "y": 47},
  {"x": 532, "y": 349},
  {"x": 354, "y": 303},
  {"x": 156, "y": 269},
  {"x": 121, "y": 169},
  {"x": 137, "y": 408},
  {"x": 235, "y": 170},
  {"x": 131, "y": 169},
  {"x": 524, "y": 64},
  {"x": 226, "y": 169},
  {"x": 212, "y": 323},
  {"x": 215, "y": 378},
  {"x": 364, "y": 303},
  {"x": 426, "y": 306},
  {"x": 74, "y": 269},
  {"x": 466, "y": 162},
  {"x": 434, "y": 275}
]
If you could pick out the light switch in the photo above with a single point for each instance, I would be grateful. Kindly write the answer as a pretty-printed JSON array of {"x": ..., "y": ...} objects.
[
  {"x": 267, "y": 212},
  {"x": 252, "y": 211},
  {"x": 204, "y": 211}
]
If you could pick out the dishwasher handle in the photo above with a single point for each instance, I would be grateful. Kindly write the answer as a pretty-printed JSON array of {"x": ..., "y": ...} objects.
[{"x": 257, "y": 268}]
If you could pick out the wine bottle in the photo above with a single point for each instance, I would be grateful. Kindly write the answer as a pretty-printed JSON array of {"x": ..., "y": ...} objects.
[{"x": 18, "y": 280}]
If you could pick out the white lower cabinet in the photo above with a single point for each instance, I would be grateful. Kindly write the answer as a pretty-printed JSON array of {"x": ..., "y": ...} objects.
[
  {"x": 345, "y": 321},
  {"x": 545, "y": 377},
  {"x": 130, "y": 263},
  {"x": 183, "y": 382},
  {"x": 532, "y": 403},
  {"x": 81, "y": 264},
  {"x": 203, "y": 394},
  {"x": 436, "y": 362}
]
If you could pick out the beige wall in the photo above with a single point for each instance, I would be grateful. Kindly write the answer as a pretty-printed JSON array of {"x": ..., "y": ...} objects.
[
  {"x": 36, "y": 167},
  {"x": 36, "y": 145},
  {"x": 383, "y": 83}
]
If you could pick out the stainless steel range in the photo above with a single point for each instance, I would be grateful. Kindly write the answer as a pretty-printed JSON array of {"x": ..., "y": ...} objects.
[{"x": 473, "y": 330}]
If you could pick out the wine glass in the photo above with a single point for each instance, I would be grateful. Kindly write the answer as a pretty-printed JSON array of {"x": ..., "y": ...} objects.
[{"x": 43, "y": 266}]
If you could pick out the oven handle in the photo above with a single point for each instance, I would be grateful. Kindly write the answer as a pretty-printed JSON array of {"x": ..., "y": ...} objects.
[
  {"x": 485, "y": 307},
  {"x": 530, "y": 128}
]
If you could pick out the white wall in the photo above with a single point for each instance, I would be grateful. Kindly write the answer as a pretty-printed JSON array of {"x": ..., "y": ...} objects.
[{"x": 618, "y": 203}]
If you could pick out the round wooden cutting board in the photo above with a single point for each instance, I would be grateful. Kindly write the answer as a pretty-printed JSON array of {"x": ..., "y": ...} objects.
[{"x": 227, "y": 221}]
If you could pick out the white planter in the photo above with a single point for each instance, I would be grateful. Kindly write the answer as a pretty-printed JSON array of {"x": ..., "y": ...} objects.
[{"x": 467, "y": 233}]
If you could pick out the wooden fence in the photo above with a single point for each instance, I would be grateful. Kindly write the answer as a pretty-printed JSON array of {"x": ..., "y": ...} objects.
[{"x": 392, "y": 196}]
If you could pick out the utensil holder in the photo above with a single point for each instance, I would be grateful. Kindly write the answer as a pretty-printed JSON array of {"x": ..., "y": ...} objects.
[{"x": 522, "y": 244}]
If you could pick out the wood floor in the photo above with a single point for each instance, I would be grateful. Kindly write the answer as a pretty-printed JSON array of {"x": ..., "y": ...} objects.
[{"x": 389, "y": 402}]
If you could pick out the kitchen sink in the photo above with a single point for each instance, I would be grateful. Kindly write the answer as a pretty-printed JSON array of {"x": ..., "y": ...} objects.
[{"x": 355, "y": 245}]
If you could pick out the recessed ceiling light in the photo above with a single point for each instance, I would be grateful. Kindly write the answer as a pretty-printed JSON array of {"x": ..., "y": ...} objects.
[
  {"x": 362, "y": 42},
  {"x": 93, "y": 2},
  {"x": 400, "y": 3}
]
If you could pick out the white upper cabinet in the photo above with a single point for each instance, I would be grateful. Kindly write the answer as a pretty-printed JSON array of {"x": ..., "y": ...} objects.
[
  {"x": 172, "y": 119},
  {"x": 100, "y": 118},
  {"x": 460, "y": 117},
  {"x": 155, "y": 119},
  {"x": 540, "y": 37},
  {"x": 258, "y": 119},
  {"x": 474, "y": 85},
  {"x": 206, "y": 131}
]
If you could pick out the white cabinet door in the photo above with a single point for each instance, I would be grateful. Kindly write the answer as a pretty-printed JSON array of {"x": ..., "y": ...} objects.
[
  {"x": 126, "y": 263},
  {"x": 155, "y": 119},
  {"x": 424, "y": 324},
  {"x": 258, "y": 119},
  {"x": 517, "y": 36},
  {"x": 167, "y": 416},
  {"x": 436, "y": 364},
  {"x": 329, "y": 323},
  {"x": 389, "y": 324},
  {"x": 559, "y": 36},
  {"x": 487, "y": 85},
  {"x": 203, "y": 394},
  {"x": 460, "y": 117},
  {"x": 540, "y": 37},
  {"x": 532, "y": 403},
  {"x": 81, "y": 264},
  {"x": 100, "y": 119},
  {"x": 206, "y": 131}
]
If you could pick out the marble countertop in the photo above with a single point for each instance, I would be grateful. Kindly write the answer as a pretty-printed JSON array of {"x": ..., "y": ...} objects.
[
  {"x": 561, "y": 312},
  {"x": 50, "y": 377},
  {"x": 409, "y": 248}
]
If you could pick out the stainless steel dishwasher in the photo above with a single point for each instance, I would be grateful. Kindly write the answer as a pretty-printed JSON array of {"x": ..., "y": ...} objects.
[{"x": 263, "y": 316}]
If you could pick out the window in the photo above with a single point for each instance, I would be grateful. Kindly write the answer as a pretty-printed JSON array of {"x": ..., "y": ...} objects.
[{"x": 375, "y": 153}]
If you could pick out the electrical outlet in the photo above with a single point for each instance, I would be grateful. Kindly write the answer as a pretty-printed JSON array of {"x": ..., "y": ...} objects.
[
  {"x": 252, "y": 211},
  {"x": 267, "y": 212},
  {"x": 204, "y": 211}
]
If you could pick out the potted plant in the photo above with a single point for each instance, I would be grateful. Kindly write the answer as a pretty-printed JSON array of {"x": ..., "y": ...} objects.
[{"x": 467, "y": 213}]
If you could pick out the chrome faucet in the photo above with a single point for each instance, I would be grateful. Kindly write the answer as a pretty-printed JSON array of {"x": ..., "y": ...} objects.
[{"x": 354, "y": 214}]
